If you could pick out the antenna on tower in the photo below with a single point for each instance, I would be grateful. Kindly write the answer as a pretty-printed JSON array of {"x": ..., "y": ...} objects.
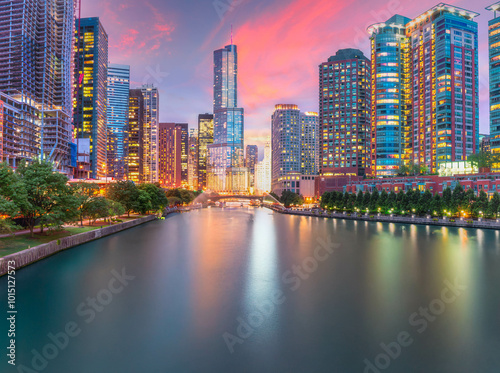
[{"x": 231, "y": 34}]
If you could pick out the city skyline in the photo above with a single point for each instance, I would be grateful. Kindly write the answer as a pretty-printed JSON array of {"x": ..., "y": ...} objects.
[{"x": 186, "y": 82}]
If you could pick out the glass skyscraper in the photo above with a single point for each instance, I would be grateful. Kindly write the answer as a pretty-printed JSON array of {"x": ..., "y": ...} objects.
[
  {"x": 494, "y": 67},
  {"x": 424, "y": 89},
  {"x": 225, "y": 168},
  {"x": 91, "y": 76},
  {"x": 135, "y": 136},
  {"x": 150, "y": 133},
  {"x": 117, "y": 115},
  {"x": 391, "y": 97}
]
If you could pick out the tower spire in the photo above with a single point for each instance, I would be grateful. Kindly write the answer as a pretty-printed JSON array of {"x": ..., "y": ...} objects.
[{"x": 231, "y": 34}]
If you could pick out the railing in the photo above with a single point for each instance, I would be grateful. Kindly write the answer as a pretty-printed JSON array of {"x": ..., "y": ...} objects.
[{"x": 429, "y": 220}]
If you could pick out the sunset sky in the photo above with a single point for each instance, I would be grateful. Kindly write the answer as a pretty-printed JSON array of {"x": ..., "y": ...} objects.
[{"x": 280, "y": 45}]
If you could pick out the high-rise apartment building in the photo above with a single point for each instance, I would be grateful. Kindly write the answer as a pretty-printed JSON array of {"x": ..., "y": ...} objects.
[
  {"x": 36, "y": 49},
  {"x": 444, "y": 70},
  {"x": 91, "y": 76},
  {"x": 205, "y": 138},
  {"x": 225, "y": 167},
  {"x": 344, "y": 114},
  {"x": 294, "y": 139},
  {"x": 494, "y": 68},
  {"x": 171, "y": 144},
  {"x": 135, "y": 136},
  {"x": 425, "y": 89},
  {"x": 117, "y": 115},
  {"x": 150, "y": 133},
  {"x": 391, "y": 129}
]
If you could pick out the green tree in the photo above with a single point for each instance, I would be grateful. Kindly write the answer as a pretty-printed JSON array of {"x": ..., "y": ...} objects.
[
  {"x": 289, "y": 198},
  {"x": 12, "y": 197},
  {"x": 436, "y": 205},
  {"x": 374, "y": 200},
  {"x": 480, "y": 204},
  {"x": 383, "y": 201},
  {"x": 85, "y": 194},
  {"x": 156, "y": 195},
  {"x": 447, "y": 203},
  {"x": 125, "y": 192},
  {"x": 366, "y": 200},
  {"x": 494, "y": 205},
  {"x": 457, "y": 198},
  {"x": 49, "y": 200},
  {"x": 424, "y": 203}
]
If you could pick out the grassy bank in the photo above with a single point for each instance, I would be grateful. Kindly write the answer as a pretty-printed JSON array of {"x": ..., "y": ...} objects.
[{"x": 13, "y": 244}]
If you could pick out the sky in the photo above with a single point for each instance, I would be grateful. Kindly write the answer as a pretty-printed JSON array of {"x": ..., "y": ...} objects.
[{"x": 280, "y": 43}]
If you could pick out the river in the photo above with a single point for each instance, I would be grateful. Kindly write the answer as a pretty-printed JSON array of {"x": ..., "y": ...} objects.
[{"x": 250, "y": 290}]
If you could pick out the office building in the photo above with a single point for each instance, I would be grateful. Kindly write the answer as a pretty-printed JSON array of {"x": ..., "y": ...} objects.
[
  {"x": 36, "y": 72},
  {"x": 263, "y": 171},
  {"x": 90, "y": 111},
  {"x": 192, "y": 181},
  {"x": 205, "y": 138},
  {"x": 150, "y": 133},
  {"x": 117, "y": 115},
  {"x": 344, "y": 114},
  {"x": 171, "y": 145},
  {"x": 251, "y": 158},
  {"x": 134, "y": 158}
]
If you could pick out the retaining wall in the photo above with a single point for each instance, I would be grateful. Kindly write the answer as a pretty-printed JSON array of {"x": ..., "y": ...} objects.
[{"x": 34, "y": 254}]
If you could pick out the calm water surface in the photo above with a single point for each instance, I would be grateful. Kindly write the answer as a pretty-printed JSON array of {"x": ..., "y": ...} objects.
[{"x": 248, "y": 290}]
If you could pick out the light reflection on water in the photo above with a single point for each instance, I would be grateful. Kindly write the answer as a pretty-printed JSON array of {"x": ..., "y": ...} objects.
[{"x": 198, "y": 273}]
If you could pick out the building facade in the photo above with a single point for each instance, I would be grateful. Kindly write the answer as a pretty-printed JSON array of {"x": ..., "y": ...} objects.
[
  {"x": 205, "y": 138},
  {"x": 444, "y": 69},
  {"x": 192, "y": 181},
  {"x": 170, "y": 148},
  {"x": 36, "y": 70},
  {"x": 424, "y": 89},
  {"x": 117, "y": 115},
  {"x": 91, "y": 77},
  {"x": 391, "y": 129},
  {"x": 251, "y": 159},
  {"x": 263, "y": 171},
  {"x": 226, "y": 152},
  {"x": 134, "y": 158},
  {"x": 294, "y": 139},
  {"x": 494, "y": 70},
  {"x": 150, "y": 133},
  {"x": 344, "y": 114}
]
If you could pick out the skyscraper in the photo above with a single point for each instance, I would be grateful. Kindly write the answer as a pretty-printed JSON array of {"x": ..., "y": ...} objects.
[
  {"x": 494, "y": 66},
  {"x": 36, "y": 49},
  {"x": 117, "y": 115},
  {"x": 135, "y": 136},
  {"x": 425, "y": 89},
  {"x": 171, "y": 144},
  {"x": 150, "y": 133},
  {"x": 193, "y": 159},
  {"x": 251, "y": 158},
  {"x": 344, "y": 112},
  {"x": 391, "y": 130},
  {"x": 294, "y": 144},
  {"x": 91, "y": 76},
  {"x": 263, "y": 170},
  {"x": 444, "y": 67},
  {"x": 225, "y": 168},
  {"x": 205, "y": 138}
]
